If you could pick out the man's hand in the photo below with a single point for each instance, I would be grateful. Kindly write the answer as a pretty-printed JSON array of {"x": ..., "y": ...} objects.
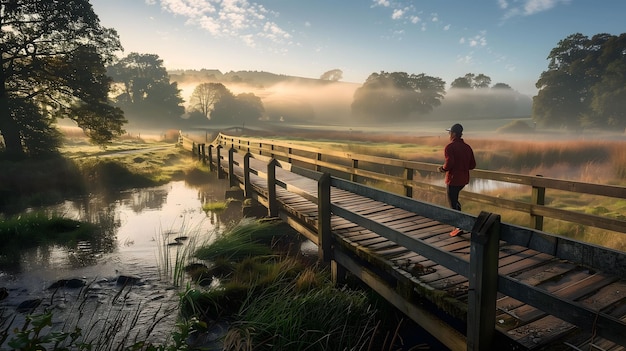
[{"x": 440, "y": 169}]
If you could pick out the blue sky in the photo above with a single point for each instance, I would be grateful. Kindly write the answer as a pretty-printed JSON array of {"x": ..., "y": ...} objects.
[{"x": 508, "y": 40}]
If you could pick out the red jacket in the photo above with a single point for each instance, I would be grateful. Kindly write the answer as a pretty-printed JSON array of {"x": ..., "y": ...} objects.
[{"x": 459, "y": 160}]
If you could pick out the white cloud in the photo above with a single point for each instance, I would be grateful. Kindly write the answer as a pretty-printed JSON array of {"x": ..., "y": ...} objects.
[
  {"x": 241, "y": 19},
  {"x": 415, "y": 19},
  {"x": 446, "y": 27},
  {"x": 383, "y": 3},
  {"x": 479, "y": 40},
  {"x": 529, "y": 7},
  {"x": 397, "y": 14},
  {"x": 466, "y": 59}
]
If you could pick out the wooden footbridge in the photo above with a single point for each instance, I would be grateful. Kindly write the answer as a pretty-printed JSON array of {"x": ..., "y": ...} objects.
[{"x": 499, "y": 287}]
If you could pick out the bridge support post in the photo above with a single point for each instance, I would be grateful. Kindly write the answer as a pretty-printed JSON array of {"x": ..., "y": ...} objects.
[
  {"x": 483, "y": 282},
  {"x": 218, "y": 163},
  {"x": 323, "y": 218},
  {"x": 247, "y": 186},
  {"x": 232, "y": 179},
  {"x": 203, "y": 156},
  {"x": 211, "y": 168},
  {"x": 271, "y": 188}
]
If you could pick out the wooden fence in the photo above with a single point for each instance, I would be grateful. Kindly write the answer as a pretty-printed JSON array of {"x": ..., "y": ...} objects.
[
  {"x": 484, "y": 280},
  {"x": 363, "y": 168}
]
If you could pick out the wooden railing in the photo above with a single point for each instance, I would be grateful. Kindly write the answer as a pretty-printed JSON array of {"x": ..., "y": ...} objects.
[
  {"x": 481, "y": 269},
  {"x": 402, "y": 174},
  {"x": 486, "y": 229}
]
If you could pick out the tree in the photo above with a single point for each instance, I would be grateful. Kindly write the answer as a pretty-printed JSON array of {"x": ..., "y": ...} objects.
[
  {"x": 143, "y": 90},
  {"x": 471, "y": 81},
  {"x": 501, "y": 86},
  {"x": 395, "y": 96},
  {"x": 584, "y": 83},
  {"x": 333, "y": 75},
  {"x": 240, "y": 109},
  {"x": 205, "y": 96},
  {"x": 53, "y": 58}
]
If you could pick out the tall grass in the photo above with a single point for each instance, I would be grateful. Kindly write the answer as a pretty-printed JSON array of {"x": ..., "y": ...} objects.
[
  {"x": 175, "y": 252},
  {"x": 276, "y": 302}
]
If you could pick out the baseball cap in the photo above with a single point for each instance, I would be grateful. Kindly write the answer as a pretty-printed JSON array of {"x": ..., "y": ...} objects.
[{"x": 456, "y": 128}]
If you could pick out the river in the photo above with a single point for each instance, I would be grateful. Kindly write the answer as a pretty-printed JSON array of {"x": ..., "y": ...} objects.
[{"x": 142, "y": 230}]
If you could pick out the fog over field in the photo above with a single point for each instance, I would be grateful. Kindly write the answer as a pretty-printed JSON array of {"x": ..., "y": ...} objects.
[{"x": 316, "y": 102}]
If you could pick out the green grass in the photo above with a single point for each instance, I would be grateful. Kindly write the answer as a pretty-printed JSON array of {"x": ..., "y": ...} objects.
[
  {"x": 276, "y": 302},
  {"x": 214, "y": 206},
  {"x": 37, "y": 228}
]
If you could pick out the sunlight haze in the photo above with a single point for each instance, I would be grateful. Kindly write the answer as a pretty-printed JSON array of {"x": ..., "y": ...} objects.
[{"x": 508, "y": 40}]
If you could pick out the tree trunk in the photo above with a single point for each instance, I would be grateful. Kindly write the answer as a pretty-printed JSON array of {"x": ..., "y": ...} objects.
[{"x": 9, "y": 129}]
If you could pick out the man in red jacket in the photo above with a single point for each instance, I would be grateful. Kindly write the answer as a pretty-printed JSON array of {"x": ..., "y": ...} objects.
[{"x": 459, "y": 159}]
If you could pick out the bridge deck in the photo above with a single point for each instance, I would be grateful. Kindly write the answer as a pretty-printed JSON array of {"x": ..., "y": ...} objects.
[{"x": 519, "y": 324}]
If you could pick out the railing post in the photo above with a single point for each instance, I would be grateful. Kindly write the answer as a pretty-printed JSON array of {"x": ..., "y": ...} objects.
[
  {"x": 247, "y": 186},
  {"x": 538, "y": 197},
  {"x": 211, "y": 157},
  {"x": 271, "y": 188},
  {"x": 218, "y": 162},
  {"x": 319, "y": 158},
  {"x": 199, "y": 152},
  {"x": 408, "y": 175},
  {"x": 231, "y": 167},
  {"x": 203, "y": 154},
  {"x": 193, "y": 148},
  {"x": 355, "y": 165},
  {"x": 483, "y": 282},
  {"x": 323, "y": 218}
]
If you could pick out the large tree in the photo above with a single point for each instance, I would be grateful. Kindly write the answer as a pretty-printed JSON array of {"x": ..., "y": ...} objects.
[
  {"x": 144, "y": 91},
  {"x": 584, "y": 83},
  {"x": 53, "y": 58},
  {"x": 205, "y": 96},
  {"x": 393, "y": 97}
]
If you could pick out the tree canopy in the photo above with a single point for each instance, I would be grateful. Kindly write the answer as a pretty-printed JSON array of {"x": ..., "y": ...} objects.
[
  {"x": 217, "y": 103},
  {"x": 585, "y": 84},
  {"x": 53, "y": 66},
  {"x": 395, "y": 96},
  {"x": 143, "y": 90},
  {"x": 333, "y": 75},
  {"x": 471, "y": 81}
]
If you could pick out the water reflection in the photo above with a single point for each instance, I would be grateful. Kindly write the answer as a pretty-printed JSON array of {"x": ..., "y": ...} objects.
[{"x": 130, "y": 225}]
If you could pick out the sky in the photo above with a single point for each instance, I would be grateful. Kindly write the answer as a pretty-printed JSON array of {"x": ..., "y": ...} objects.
[{"x": 507, "y": 40}]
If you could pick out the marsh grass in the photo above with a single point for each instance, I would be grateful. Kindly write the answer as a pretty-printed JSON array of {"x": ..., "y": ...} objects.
[
  {"x": 248, "y": 238},
  {"x": 275, "y": 301},
  {"x": 175, "y": 252},
  {"x": 21, "y": 232},
  {"x": 215, "y": 206}
]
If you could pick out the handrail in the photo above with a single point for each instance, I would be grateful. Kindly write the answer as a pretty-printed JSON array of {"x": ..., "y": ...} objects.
[
  {"x": 348, "y": 163},
  {"x": 484, "y": 280}
]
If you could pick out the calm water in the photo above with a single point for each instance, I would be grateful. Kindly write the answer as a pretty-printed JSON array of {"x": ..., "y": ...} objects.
[{"x": 139, "y": 228}]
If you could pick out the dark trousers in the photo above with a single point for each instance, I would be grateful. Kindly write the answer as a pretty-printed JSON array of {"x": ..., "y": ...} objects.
[{"x": 453, "y": 196}]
